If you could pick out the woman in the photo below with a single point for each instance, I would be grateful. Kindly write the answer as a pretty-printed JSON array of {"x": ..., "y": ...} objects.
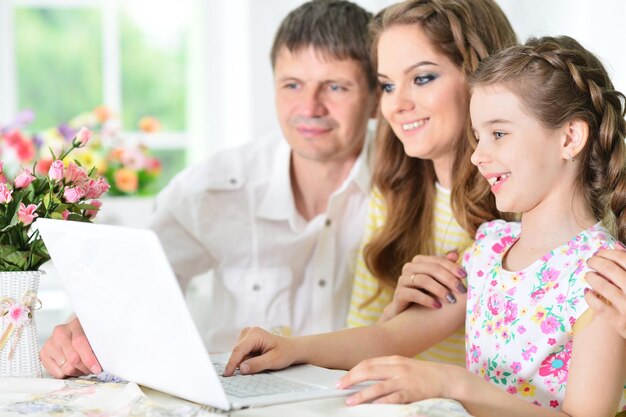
[{"x": 422, "y": 142}]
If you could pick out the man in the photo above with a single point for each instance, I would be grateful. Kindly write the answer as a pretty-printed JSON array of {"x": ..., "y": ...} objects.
[{"x": 277, "y": 222}]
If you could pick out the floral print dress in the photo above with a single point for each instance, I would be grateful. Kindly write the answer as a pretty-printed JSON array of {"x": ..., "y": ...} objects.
[{"x": 519, "y": 324}]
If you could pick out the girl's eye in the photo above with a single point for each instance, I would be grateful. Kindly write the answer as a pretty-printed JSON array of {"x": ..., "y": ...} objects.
[
  {"x": 386, "y": 87},
  {"x": 498, "y": 135},
  {"x": 423, "y": 79}
]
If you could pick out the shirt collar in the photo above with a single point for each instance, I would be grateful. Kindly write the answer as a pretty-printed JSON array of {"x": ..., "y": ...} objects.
[{"x": 278, "y": 202}]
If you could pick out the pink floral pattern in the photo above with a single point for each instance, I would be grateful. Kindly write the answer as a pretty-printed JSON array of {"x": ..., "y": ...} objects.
[{"x": 519, "y": 324}]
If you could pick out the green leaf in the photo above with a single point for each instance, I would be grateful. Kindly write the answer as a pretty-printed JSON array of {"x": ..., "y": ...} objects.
[{"x": 46, "y": 201}]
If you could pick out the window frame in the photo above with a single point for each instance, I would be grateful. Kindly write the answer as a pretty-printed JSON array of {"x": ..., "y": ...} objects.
[{"x": 111, "y": 61}]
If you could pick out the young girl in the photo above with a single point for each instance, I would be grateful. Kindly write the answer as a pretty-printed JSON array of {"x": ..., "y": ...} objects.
[
  {"x": 550, "y": 131},
  {"x": 421, "y": 144}
]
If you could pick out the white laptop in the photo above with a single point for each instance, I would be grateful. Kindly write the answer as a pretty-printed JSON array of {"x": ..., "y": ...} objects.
[{"x": 130, "y": 305}]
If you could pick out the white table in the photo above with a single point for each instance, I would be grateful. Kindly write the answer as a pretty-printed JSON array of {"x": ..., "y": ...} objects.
[{"x": 38, "y": 397}]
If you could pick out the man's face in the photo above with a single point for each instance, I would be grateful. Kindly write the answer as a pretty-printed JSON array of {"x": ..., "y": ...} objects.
[{"x": 323, "y": 104}]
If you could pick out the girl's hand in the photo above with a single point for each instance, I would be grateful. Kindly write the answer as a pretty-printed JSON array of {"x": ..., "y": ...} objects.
[
  {"x": 427, "y": 281},
  {"x": 402, "y": 380},
  {"x": 608, "y": 298},
  {"x": 258, "y": 350}
]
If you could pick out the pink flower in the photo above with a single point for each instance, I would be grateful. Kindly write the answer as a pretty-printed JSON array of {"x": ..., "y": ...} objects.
[
  {"x": 557, "y": 364},
  {"x": 56, "y": 170},
  {"x": 511, "y": 389},
  {"x": 92, "y": 213},
  {"x": 18, "y": 315},
  {"x": 554, "y": 403},
  {"x": 26, "y": 214},
  {"x": 516, "y": 367},
  {"x": 510, "y": 313},
  {"x": 549, "y": 325},
  {"x": 24, "y": 179},
  {"x": 73, "y": 194},
  {"x": 75, "y": 174},
  {"x": 83, "y": 136},
  {"x": 1, "y": 166},
  {"x": 95, "y": 188},
  {"x": 502, "y": 245},
  {"x": 552, "y": 341},
  {"x": 537, "y": 296},
  {"x": 495, "y": 303},
  {"x": 521, "y": 329},
  {"x": 549, "y": 275},
  {"x": 474, "y": 353},
  {"x": 65, "y": 214},
  {"x": 5, "y": 194}
]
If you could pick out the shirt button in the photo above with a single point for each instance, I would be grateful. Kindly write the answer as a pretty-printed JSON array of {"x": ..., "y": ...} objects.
[
  {"x": 322, "y": 283},
  {"x": 328, "y": 222},
  {"x": 256, "y": 287}
]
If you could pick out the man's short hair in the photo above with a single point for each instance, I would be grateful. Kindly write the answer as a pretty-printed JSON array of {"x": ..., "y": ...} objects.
[{"x": 338, "y": 28}]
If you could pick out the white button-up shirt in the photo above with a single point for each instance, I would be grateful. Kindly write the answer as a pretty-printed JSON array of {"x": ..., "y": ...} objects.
[{"x": 234, "y": 215}]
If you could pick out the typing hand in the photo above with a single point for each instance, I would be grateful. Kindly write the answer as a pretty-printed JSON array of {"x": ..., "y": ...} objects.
[
  {"x": 427, "y": 281},
  {"x": 258, "y": 350},
  {"x": 68, "y": 352}
]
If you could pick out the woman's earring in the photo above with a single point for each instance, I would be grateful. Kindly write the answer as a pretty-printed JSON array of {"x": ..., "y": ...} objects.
[{"x": 570, "y": 156}]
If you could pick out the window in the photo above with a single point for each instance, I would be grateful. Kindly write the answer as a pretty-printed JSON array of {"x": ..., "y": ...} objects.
[{"x": 61, "y": 58}]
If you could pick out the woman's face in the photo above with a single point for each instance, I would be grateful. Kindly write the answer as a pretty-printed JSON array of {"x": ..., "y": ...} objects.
[{"x": 424, "y": 94}]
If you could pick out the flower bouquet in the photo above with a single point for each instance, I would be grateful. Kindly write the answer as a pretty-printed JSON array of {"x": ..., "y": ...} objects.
[
  {"x": 123, "y": 159},
  {"x": 67, "y": 191}
]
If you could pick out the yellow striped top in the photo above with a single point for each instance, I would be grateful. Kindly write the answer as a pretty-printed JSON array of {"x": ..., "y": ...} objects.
[{"x": 448, "y": 236}]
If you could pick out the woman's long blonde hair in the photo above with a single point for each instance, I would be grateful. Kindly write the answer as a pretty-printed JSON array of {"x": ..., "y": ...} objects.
[{"x": 465, "y": 31}]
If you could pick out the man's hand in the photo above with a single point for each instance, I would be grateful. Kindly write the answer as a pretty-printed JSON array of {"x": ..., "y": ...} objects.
[
  {"x": 68, "y": 352},
  {"x": 257, "y": 350},
  {"x": 427, "y": 281}
]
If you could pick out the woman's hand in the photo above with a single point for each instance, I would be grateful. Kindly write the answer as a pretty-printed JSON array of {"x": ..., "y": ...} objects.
[
  {"x": 258, "y": 350},
  {"x": 608, "y": 298},
  {"x": 427, "y": 281},
  {"x": 402, "y": 380}
]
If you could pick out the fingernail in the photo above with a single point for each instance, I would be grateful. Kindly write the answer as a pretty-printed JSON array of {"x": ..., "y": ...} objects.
[
  {"x": 451, "y": 298},
  {"x": 338, "y": 384},
  {"x": 437, "y": 304},
  {"x": 350, "y": 401},
  {"x": 462, "y": 272},
  {"x": 95, "y": 369},
  {"x": 244, "y": 368},
  {"x": 461, "y": 288}
]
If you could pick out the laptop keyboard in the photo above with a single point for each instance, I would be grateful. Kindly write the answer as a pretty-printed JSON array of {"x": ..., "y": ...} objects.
[{"x": 255, "y": 385}]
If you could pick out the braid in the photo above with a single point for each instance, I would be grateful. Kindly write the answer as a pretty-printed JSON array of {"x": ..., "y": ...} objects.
[{"x": 563, "y": 82}]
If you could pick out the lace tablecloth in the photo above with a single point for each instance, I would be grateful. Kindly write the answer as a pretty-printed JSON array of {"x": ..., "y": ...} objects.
[{"x": 94, "y": 398}]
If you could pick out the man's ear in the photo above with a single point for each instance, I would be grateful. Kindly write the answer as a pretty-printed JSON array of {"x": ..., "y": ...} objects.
[{"x": 575, "y": 135}]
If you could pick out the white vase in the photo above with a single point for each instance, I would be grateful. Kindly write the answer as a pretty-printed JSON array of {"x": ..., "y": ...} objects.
[{"x": 19, "y": 355}]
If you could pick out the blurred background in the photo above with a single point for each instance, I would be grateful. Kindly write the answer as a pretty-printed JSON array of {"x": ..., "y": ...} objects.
[{"x": 175, "y": 81}]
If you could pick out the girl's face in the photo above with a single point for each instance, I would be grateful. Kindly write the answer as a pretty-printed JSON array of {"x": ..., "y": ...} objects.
[
  {"x": 424, "y": 95},
  {"x": 522, "y": 160}
]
